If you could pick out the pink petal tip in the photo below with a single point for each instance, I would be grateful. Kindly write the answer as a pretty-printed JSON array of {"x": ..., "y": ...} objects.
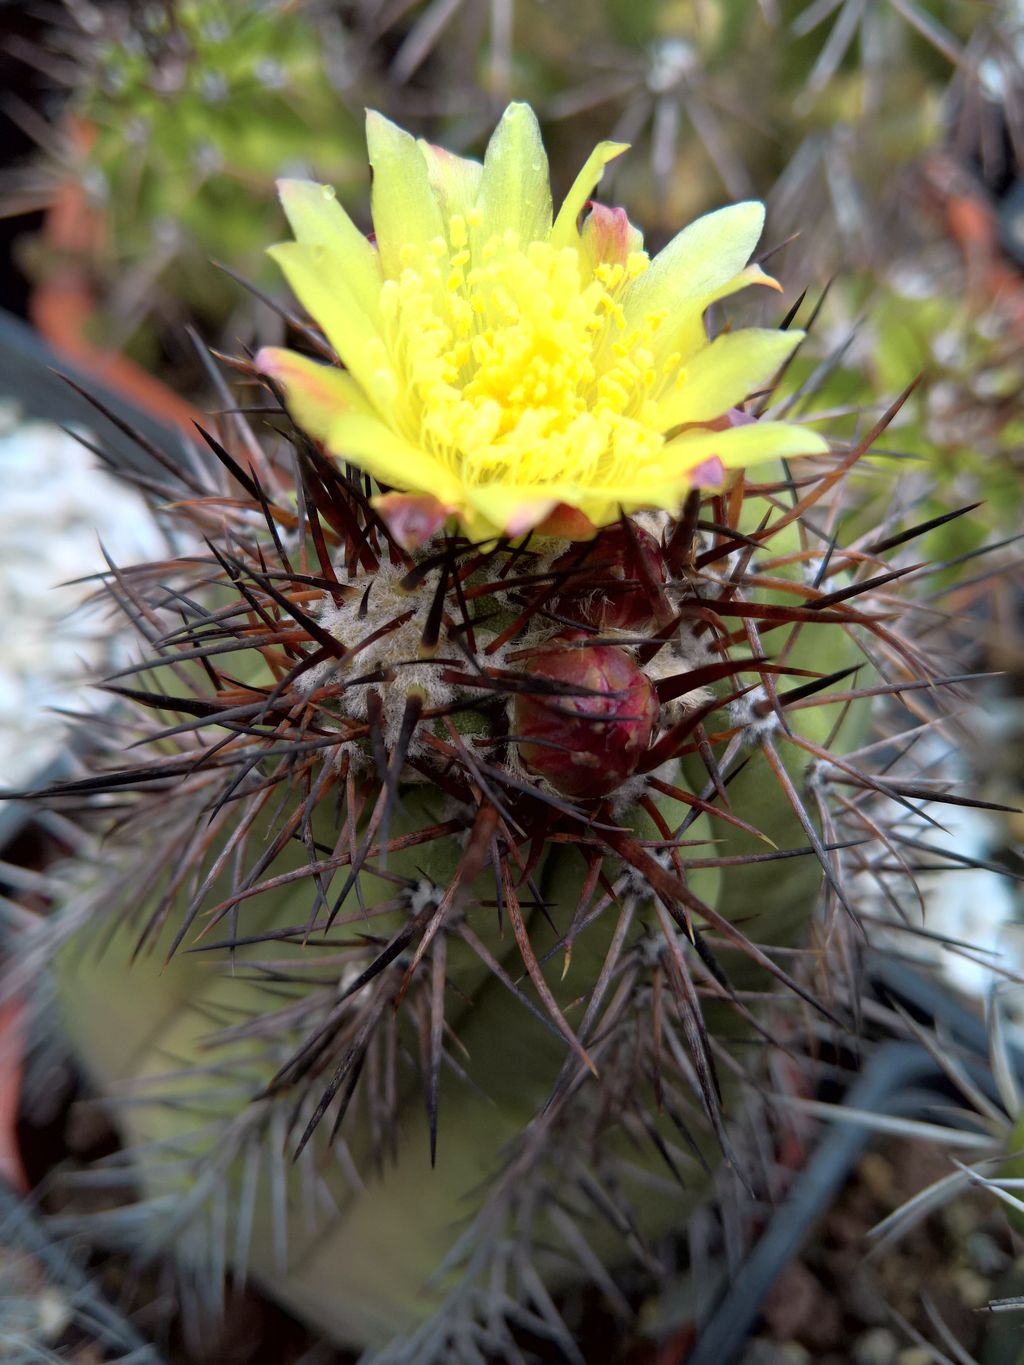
[
  {"x": 708, "y": 474},
  {"x": 412, "y": 518}
]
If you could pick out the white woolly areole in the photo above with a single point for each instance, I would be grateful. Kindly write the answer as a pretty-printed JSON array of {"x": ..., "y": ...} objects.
[
  {"x": 744, "y": 716},
  {"x": 681, "y": 655},
  {"x": 624, "y": 799},
  {"x": 636, "y": 884},
  {"x": 377, "y": 601},
  {"x": 374, "y": 602},
  {"x": 424, "y": 893}
]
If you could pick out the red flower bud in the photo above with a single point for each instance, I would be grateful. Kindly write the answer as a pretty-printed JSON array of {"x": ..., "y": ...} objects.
[
  {"x": 590, "y": 743},
  {"x": 607, "y": 586}
]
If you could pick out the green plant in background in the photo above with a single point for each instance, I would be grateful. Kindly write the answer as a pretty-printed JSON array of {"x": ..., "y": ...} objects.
[
  {"x": 179, "y": 119},
  {"x": 826, "y": 99},
  {"x": 490, "y": 757},
  {"x": 960, "y": 436}
]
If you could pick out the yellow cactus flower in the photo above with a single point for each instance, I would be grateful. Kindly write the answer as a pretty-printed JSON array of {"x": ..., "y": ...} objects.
[{"x": 512, "y": 369}]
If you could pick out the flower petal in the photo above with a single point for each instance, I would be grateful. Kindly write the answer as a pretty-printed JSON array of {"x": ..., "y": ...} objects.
[
  {"x": 390, "y": 458},
  {"x": 564, "y": 231},
  {"x": 708, "y": 474},
  {"x": 329, "y": 296},
  {"x": 567, "y": 523},
  {"x": 319, "y": 221},
  {"x": 412, "y": 518},
  {"x": 664, "y": 483},
  {"x": 687, "y": 275},
  {"x": 315, "y": 393},
  {"x": 703, "y": 255},
  {"x": 512, "y": 510},
  {"x": 607, "y": 235},
  {"x": 515, "y": 188},
  {"x": 455, "y": 180},
  {"x": 405, "y": 212},
  {"x": 753, "y": 274},
  {"x": 721, "y": 375},
  {"x": 686, "y": 333},
  {"x": 741, "y": 446}
]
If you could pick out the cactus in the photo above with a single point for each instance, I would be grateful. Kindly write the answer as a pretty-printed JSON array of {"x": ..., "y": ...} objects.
[
  {"x": 495, "y": 734},
  {"x": 179, "y": 120}
]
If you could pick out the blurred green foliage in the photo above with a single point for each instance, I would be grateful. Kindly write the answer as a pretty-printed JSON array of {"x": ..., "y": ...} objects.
[
  {"x": 196, "y": 112},
  {"x": 181, "y": 119}
]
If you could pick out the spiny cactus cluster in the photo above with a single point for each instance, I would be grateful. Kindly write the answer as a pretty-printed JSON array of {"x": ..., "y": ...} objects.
[{"x": 509, "y": 820}]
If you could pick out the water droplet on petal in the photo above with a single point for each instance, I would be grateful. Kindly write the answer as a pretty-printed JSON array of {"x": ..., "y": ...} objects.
[{"x": 327, "y": 191}]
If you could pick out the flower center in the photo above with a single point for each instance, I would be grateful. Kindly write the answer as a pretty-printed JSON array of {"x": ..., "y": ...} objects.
[{"x": 510, "y": 366}]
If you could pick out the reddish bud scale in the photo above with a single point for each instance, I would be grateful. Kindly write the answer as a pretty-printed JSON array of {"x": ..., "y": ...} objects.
[
  {"x": 587, "y": 745},
  {"x": 607, "y": 587}
]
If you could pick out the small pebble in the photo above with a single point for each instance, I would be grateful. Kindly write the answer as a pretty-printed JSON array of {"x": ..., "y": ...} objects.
[
  {"x": 878, "y": 1175},
  {"x": 986, "y": 1256},
  {"x": 864, "y": 1298},
  {"x": 962, "y": 1217},
  {"x": 54, "y": 1313},
  {"x": 762, "y": 1352},
  {"x": 877, "y": 1347},
  {"x": 973, "y": 1289}
]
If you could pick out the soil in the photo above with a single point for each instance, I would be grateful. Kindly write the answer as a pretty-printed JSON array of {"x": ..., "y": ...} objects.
[{"x": 838, "y": 1305}]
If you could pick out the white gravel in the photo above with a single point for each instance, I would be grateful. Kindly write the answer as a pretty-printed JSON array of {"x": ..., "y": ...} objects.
[{"x": 56, "y": 505}]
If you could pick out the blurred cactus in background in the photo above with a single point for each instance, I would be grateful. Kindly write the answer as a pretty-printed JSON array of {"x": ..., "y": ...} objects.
[{"x": 177, "y": 121}]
